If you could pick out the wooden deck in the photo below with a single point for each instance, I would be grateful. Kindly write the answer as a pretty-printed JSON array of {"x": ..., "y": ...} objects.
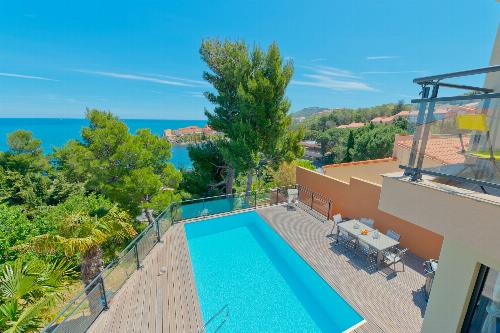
[
  {"x": 151, "y": 301},
  {"x": 154, "y": 302}
]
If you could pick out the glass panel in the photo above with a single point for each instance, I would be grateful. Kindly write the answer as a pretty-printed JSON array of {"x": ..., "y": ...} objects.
[
  {"x": 486, "y": 316},
  {"x": 460, "y": 139},
  {"x": 83, "y": 314},
  {"x": 116, "y": 276}
]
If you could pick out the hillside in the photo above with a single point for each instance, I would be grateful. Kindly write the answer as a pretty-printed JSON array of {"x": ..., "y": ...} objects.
[{"x": 307, "y": 112}]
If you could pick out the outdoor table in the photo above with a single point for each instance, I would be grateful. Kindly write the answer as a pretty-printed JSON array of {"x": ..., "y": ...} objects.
[{"x": 380, "y": 244}]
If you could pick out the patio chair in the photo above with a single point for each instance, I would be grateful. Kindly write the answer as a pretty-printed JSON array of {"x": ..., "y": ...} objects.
[
  {"x": 393, "y": 256},
  {"x": 366, "y": 221},
  {"x": 346, "y": 239},
  {"x": 394, "y": 235},
  {"x": 293, "y": 196},
  {"x": 367, "y": 251},
  {"x": 336, "y": 219}
]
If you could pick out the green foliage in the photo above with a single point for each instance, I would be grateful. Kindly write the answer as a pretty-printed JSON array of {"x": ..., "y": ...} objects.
[
  {"x": 206, "y": 178},
  {"x": 323, "y": 122},
  {"x": 25, "y": 153},
  {"x": 15, "y": 229},
  {"x": 251, "y": 109},
  {"x": 28, "y": 290},
  {"x": 374, "y": 141},
  {"x": 132, "y": 170}
]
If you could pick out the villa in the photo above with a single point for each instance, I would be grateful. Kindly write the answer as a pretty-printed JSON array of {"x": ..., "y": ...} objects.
[{"x": 407, "y": 243}]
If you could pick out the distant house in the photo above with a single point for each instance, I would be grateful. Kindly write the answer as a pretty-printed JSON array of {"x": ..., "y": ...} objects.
[
  {"x": 312, "y": 149},
  {"x": 176, "y": 135},
  {"x": 352, "y": 125},
  {"x": 383, "y": 120}
]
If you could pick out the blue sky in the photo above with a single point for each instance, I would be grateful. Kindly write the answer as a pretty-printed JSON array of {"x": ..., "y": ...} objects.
[{"x": 139, "y": 59}]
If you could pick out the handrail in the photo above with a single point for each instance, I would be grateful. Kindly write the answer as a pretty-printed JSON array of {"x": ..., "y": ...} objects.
[
  {"x": 226, "y": 317},
  {"x": 482, "y": 70}
]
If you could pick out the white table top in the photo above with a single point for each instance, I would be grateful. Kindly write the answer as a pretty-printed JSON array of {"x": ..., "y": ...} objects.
[{"x": 382, "y": 242}]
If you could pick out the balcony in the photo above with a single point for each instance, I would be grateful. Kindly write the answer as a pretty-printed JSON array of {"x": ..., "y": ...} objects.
[{"x": 455, "y": 141}]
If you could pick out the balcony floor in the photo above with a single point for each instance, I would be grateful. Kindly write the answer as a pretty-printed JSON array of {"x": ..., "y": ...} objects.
[{"x": 153, "y": 302}]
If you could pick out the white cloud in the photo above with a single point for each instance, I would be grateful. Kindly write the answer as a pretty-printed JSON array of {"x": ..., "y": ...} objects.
[
  {"x": 395, "y": 72},
  {"x": 196, "y": 94},
  {"x": 23, "y": 76},
  {"x": 333, "y": 78},
  {"x": 322, "y": 81},
  {"x": 382, "y": 57},
  {"x": 170, "y": 82},
  {"x": 318, "y": 60},
  {"x": 181, "y": 79},
  {"x": 331, "y": 71}
]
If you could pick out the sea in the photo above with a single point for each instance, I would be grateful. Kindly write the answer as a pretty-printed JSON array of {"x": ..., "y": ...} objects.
[{"x": 55, "y": 132}]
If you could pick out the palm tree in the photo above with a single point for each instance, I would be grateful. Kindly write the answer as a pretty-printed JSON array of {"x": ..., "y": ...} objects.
[
  {"x": 28, "y": 290},
  {"x": 81, "y": 233}
]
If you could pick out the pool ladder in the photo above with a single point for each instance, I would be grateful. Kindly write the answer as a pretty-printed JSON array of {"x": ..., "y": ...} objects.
[{"x": 224, "y": 312}]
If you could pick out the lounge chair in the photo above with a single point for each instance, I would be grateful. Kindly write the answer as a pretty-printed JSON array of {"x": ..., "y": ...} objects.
[
  {"x": 366, "y": 221},
  {"x": 393, "y": 256}
]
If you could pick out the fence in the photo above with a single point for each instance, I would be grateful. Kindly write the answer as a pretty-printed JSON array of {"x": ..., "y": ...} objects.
[{"x": 98, "y": 295}]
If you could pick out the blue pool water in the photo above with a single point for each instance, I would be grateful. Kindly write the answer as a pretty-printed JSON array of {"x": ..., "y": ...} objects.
[{"x": 241, "y": 262}]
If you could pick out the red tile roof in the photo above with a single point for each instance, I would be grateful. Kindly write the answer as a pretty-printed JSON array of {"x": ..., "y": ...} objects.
[
  {"x": 352, "y": 125},
  {"x": 445, "y": 149}
]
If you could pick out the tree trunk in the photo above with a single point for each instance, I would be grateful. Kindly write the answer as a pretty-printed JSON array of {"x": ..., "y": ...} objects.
[
  {"x": 229, "y": 180},
  {"x": 149, "y": 215},
  {"x": 249, "y": 185},
  {"x": 91, "y": 265}
]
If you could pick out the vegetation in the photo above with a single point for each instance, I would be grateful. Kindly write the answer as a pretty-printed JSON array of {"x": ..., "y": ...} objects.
[
  {"x": 345, "y": 145},
  {"x": 251, "y": 110},
  {"x": 64, "y": 216}
]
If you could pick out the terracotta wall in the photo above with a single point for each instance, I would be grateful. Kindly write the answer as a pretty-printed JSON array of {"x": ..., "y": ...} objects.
[{"x": 360, "y": 198}]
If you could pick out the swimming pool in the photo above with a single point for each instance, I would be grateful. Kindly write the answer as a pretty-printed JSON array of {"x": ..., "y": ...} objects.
[{"x": 242, "y": 265}]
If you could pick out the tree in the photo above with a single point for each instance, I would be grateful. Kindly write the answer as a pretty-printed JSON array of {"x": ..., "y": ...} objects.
[
  {"x": 206, "y": 178},
  {"x": 15, "y": 229},
  {"x": 374, "y": 141},
  {"x": 264, "y": 109},
  {"x": 349, "y": 147},
  {"x": 28, "y": 291},
  {"x": 132, "y": 170},
  {"x": 25, "y": 153},
  {"x": 230, "y": 67},
  {"x": 250, "y": 106},
  {"x": 82, "y": 226},
  {"x": 286, "y": 173}
]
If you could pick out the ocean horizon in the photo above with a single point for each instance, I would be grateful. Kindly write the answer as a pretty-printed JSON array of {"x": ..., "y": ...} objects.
[{"x": 55, "y": 132}]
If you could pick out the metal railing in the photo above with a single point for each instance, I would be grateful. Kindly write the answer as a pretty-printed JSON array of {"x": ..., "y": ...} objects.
[
  {"x": 79, "y": 314},
  {"x": 456, "y": 140}
]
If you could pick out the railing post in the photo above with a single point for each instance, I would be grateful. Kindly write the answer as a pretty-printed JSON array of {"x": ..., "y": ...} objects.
[
  {"x": 158, "y": 236},
  {"x": 103, "y": 290},
  {"x": 312, "y": 199},
  {"x": 329, "y": 208},
  {"x": 255, "y": 199},
  {"x": 277, "y": 194},
  {"x": 136, "y": 250}
]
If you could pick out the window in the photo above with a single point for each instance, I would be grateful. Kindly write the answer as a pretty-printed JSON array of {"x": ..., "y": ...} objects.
[{"x": 483, "y": 314}]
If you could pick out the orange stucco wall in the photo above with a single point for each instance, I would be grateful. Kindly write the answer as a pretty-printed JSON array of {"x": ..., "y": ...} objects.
[{"x": 360, "y": 198}]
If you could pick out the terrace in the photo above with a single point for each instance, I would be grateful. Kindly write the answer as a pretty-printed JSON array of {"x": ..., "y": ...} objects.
[{"x": 161, "y": 294}]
